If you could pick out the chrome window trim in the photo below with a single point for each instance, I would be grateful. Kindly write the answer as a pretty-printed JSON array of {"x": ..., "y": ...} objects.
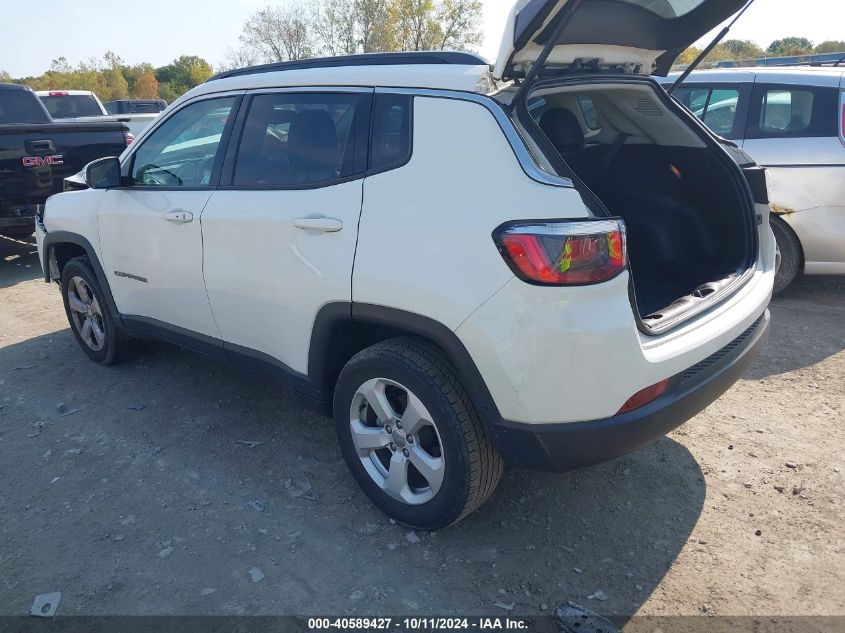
[{"x": 515, "y": 140}]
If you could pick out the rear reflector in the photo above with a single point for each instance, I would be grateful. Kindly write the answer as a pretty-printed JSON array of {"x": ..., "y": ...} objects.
[
  {"x": 644, "y": 396},
  {"x": 561, "y": 252}
]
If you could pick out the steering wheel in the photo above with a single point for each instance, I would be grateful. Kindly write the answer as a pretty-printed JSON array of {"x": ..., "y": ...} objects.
[{"x": 161, "y": 177}]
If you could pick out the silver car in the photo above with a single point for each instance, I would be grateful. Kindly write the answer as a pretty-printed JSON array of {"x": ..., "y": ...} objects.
[{"x": 791, "y": 120}]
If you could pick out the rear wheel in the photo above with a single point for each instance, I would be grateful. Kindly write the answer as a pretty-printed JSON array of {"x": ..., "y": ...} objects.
[
  {"x": 99, "y": 335},
  {"x": 790, "y": 254},
  {"x": 410, "y": 435}
]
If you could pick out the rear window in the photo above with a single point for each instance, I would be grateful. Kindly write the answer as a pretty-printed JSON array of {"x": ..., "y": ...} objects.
[
  {"x": 20, "y": 106},
  {"x": 793, "y": 112},
  {"x": 71, "y": 106},
  {"x": 667, "y": 8}
]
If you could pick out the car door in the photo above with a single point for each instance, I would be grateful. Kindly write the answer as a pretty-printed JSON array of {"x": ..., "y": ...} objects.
[
  {"x": 794, "y": 129},
  {"x": 150, "y": 231},
  {"x": 280, "y": 234}
]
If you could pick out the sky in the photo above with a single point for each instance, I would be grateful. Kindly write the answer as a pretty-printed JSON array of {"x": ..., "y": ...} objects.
[{"x": 158, "y": 31}]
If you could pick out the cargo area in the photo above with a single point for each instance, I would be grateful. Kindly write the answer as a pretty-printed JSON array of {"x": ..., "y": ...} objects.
[{"x": 688, "y": 216}]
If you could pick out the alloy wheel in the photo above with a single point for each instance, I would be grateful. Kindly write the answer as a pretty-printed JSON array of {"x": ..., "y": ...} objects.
[
  {"x": 86, "y": 313},
  {"x": 397, "y": 441}
]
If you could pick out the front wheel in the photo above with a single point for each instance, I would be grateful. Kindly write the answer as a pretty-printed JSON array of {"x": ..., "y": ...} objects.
[
  {"x": 411, "y": 436},
  {"x": 96, "y": 331}
]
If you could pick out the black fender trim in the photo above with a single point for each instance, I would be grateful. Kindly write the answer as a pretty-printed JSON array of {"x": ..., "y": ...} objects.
[
  {"x": 66, "y": 237},
  {"x": 333, "y": 314}
]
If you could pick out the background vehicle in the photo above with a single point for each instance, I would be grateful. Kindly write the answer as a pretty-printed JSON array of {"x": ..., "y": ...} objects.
[
  {"x": 36, "y": 154},
  {"x": 135, "y": 106},
  {"x": 448, "y": 327},
  {"x": 83, "y": 105},
  {"x": 790, "y": 120}
]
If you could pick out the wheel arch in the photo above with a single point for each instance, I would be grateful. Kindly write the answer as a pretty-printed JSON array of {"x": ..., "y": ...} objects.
[
  {"x": 59, "y": 247},
  {"x": 343, "y": 329}
]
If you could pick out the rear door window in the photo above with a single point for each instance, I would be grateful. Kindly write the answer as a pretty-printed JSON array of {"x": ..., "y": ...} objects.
[
  {"x": 716, "y": 107},
  {"x": 300, "y": 140},
  {"x": 793, "y": 112}
]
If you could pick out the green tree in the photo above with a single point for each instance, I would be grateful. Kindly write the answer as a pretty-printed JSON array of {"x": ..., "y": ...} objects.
[
  {"x": 790, "y": 46},
  {"x": 5, "y": 77},
  {"x": 743, "y": 49},
  {"x": 831, "y": 46},
  {"x": 181, "y": 75},
  {"x": 116, "y": 84}
]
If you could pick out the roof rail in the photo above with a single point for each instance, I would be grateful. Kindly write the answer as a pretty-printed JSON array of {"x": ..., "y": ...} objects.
[{"x": 366, "y": 59}]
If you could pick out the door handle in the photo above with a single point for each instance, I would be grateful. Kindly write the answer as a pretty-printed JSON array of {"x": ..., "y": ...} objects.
[
  {"x": 179, "y": 217},
  {"x": 326, "y": 225}
]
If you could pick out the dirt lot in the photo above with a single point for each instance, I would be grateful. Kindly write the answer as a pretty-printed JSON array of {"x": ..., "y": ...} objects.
[{"x": 167, "y": 479}]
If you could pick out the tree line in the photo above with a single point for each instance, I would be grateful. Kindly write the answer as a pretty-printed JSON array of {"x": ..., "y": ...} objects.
[
  {"x": 300, "y": 29},
  {"x": 296, "y": 30},
  {"x": 109, "y": 77},
  {"x": 739, "y": 50}
]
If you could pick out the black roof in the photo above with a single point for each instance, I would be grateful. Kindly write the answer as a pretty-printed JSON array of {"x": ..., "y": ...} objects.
[
  {"x": 12, "y": 87},
  {"x": 366, "y": 59}
]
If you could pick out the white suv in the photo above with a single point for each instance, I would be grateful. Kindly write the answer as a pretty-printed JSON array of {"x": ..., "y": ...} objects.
[{"x": 463, "y": 269}]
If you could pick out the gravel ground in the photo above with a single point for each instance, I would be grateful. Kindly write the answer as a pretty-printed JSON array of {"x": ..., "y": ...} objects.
[{"x": 175, "y": 484}]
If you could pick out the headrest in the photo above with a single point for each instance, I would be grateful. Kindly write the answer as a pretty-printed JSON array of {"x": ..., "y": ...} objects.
[
  {"x": 562, "y": 127},
  {"x": 312, "y": 141}
]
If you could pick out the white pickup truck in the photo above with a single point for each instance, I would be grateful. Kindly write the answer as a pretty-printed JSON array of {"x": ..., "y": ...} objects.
[{"x": 84, "y": 105}]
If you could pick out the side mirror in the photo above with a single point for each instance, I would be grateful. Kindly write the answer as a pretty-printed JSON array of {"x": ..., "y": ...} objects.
[{"x": 103, "y": 173}]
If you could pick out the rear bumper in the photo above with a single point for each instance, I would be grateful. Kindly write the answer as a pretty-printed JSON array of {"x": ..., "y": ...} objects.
[{"x": 559, "y": 447}]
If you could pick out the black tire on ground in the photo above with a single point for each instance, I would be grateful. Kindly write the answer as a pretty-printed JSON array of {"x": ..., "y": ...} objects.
[
  {"x": 117, "y": 343},
  {"x": 791, "y": 254},
  {"x": 472, "y": 467}
]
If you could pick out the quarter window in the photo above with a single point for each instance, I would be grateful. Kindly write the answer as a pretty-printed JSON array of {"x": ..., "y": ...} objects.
[
  {"x": 184, "y": 150},
  {"x": 591, "y": 115},
  {"x": 391, "y": 144},
  {"x": 298, "y": 140},
  {"x": 793, "y": 112}
]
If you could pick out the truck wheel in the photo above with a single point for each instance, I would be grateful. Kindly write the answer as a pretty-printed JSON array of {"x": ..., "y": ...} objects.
[
  {"x": 99, "y": 335},
  {"x": 791, "y": 254},
  {"x": 411, "y": 436}
]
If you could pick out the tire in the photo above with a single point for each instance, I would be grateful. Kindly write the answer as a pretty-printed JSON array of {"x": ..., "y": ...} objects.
[
  {"x": 791, "y": 254},
  {"x": 449, "y": 434},
  {"x": 79, "y": 283}
]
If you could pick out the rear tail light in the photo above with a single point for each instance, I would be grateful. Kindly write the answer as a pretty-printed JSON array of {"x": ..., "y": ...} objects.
[
  {"x": 129, "y": 138},
  {"x": 561, "y": 253},
  {"x": 58, "y": 93},
  {"x": 644, "y": 396}
]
